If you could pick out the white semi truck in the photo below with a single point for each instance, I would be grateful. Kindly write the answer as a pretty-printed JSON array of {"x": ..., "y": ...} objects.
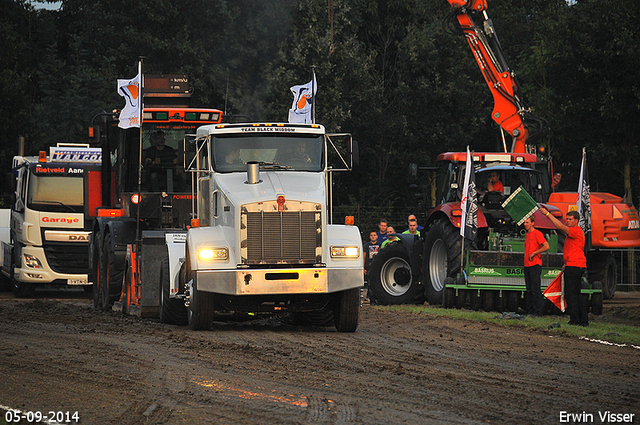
[
  {"x": 47, "y": 229},
  {"x": 264, "y": 242},
  {"x": 261, "y": 238}
]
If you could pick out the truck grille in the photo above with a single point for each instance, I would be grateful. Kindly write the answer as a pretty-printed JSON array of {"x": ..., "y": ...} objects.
[
  {"x": 71, "y": 258},
  {"x": 285, "y": 237}
]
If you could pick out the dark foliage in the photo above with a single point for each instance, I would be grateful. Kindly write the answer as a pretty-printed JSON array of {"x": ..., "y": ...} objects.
[{"x": 388, "y": 72}]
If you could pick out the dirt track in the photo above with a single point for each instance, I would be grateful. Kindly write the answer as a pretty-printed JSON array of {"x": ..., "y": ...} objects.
[{"x": 62, "y": 355}]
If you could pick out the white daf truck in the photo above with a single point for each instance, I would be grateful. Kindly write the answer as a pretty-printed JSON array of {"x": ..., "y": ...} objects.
[
  {"x": 262, "y": 239},
  {"x": 49, "y": 222}
]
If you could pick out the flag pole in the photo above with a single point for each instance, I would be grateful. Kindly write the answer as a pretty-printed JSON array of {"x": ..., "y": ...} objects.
[
  {"x": 313, "y": 94},
  {"x": 140, "y": 109},
  {"x": 140, "y": 118},
  {"x": 462, "y": 255}
]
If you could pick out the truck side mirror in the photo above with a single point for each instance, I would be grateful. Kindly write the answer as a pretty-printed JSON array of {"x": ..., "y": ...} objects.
[
  {"x": 10, "y": 183},
  {"x": 355, "y": 153}
]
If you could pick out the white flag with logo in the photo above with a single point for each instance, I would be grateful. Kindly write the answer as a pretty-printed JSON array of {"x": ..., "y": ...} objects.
[
  {"x": 131, "y": 90},
  {"x": 303, "y": 97}
]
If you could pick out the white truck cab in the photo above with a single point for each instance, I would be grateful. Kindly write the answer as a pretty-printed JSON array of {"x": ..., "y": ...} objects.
[
  {"x": 50, "y": 218},
  {"x": 263, "y": 240}
]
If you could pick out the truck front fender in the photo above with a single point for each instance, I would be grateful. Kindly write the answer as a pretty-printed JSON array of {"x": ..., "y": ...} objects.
[{"x": 214, "y": 238}]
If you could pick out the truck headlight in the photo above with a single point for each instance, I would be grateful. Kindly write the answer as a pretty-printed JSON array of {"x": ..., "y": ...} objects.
[
  {"x": 212, "y": 254},
  {"x": 32, "y": 261},
  {"x": 345, "y": 252}
]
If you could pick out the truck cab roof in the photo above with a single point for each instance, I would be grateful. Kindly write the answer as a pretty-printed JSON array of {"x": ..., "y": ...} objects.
[{"x": 206, "y": 130}]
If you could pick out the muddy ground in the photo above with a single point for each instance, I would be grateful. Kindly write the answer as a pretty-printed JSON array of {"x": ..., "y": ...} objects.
[{"x": 59, "y": 354}]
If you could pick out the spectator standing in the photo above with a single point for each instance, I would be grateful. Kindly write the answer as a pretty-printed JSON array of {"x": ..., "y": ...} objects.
[
  {"x": 534, "y": 245},
  {"x": 575, "y": 263},
  {"x": 413, "y": 229},
  {"x": 413, "y": 218},
  {"x": 382, "y": 234},
  {"x": 390, "y": 237},
  {"x": 370, "y": 250}
]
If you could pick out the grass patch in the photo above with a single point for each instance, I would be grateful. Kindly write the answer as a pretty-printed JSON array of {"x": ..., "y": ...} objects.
[{"x": 611, "y": 332}]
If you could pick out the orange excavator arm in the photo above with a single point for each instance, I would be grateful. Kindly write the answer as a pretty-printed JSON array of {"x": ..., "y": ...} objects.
[{"x": 509, "y": 110}]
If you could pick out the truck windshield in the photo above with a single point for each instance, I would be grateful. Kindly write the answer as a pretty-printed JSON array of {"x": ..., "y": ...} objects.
[
  {"x": 280, "y": 152},
  {"x": 55, "y": 193}
]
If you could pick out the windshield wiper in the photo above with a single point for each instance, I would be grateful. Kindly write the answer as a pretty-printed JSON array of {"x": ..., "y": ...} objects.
[
  {"x": 274, "y": 166},
  {"x": 68, "y": 207}
]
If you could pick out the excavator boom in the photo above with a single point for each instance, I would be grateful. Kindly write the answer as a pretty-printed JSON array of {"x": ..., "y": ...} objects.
[{"x": 509, "y": 111}]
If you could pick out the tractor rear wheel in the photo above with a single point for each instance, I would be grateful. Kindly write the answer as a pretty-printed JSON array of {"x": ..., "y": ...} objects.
[
  {"x": 391, "y": 279},
  {"x": 441, "y": 258}
]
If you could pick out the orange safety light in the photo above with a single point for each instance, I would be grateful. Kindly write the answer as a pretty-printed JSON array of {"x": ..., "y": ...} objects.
[
  {"x": 280, "y": 202},
  {"x": 91, "y": 132},
  {"x": 349, "y": 220},
  {"x": 42, "y": 156},
  {"x": 195, "y": 222}
]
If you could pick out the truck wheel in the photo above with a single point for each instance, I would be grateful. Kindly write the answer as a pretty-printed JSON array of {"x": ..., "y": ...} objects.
[
  {"x": 200, "y": 313},
  {"x": 172, "y": 310},
  {"x": 603, "y": 268},
  {"x": 441, "y": 258},
  {"x": 5, "y": 283},
  {"x": 596, "y": 299},
  {"x": 391, "y": 279},
  {"x": 97, "y": 271},
  {"x": 112, "y": 277},
  {"x": 346, "y": 310}
]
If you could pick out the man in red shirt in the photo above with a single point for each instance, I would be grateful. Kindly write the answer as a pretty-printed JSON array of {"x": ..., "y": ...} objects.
[
  {"x": 575, "y": 263},
  {"x": 534, "y": 245}
]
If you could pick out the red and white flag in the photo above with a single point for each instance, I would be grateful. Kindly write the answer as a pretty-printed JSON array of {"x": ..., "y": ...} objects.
[{"x": 555, "y": 292}]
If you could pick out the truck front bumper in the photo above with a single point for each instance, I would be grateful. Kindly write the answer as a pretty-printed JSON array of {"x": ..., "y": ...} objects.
[
  {"x": 43, "y": 274},
  {"x": 279, "y": 281}
]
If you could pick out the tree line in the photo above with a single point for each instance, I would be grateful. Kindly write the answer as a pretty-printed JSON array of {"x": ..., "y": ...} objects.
[{"x": 388, "y": 71}]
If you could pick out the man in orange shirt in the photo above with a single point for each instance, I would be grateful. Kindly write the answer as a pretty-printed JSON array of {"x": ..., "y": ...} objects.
[
  {"x": 495, "y": 185},
  {"x": 534, "y": 245},
  {"x": 575, "y": 263}
]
